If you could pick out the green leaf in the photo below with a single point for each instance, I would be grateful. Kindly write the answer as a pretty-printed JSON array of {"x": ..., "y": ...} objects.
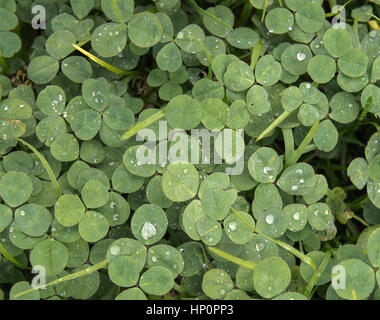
[
  {"x": 243, "y": 38},
  {"x": 297, "y": 179},
  {"x": 59, "y": 44},
  {"x": 238, "y": 76},
  {"x": 82, "y": 8},
  {"x": 360, "y": 280},
  {"x": 149, "y": 223},
  {"x": 264, "y": 165},
  {"x": 156, "y": 280},
  {"x": 145, "y": 29},
  {"x": 8, "y": 20},
  {"x": 109, "y": 39},
  {"x": 32, "y": 219},
  {"x": 271, "y": 277},
  {"x": 267, "y": 71},
  {"x": 43, "y": 69},
  {"x": 183, "y": 112},
  {"x": 180, "y": 181},
  {"x": 77, "y": 69},
  {"x": 15, "y": 188},
  {"x": 69, "y": 210},
  {"x": 326, "y": 137},
  {"x": 94, "y": 194},
  {"x": 169, "y": 58},
  {"x": 318, "y": 74},
  {"x": 123, "y": 271},
  {"x": 279, "y": 21},
  {"x": 353, "y": 63},
  {"x": 216, "y": 283},
  {"x": 337, "y": 42},
  {"x": 117, "y": 10},
  {"x": 51, "y": 254}
]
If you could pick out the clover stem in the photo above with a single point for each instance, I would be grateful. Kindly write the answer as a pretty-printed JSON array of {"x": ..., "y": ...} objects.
[
  {"x": 331, "y": 14},
  {"x": 203, "y": 12},
  {"x": 289, "y": 142},
  {"x": 360, "y": 220},
  {"x": 235, "y": 4},
  {"x": 294, "y": 157},
  {"x": 280, "y": 3},
  {"x": 229, "y": 257},
  {"x": 264, "y": 10},
  {"x": 245, "y": 13},
  {"x": 273, "y": 125},
  {"x": 256, "y": 52},
  {"x": 282, "y": 244},
  {"x": 317, "y": 274},
  {"x": 46, "y": 165},
  {"x": 291, "y": 249},
  {"x": 9, "y": 257},
  {"x": 178, "y": 288},
  {"x": 373, "y": 16},
  {"x": 103, "y": 63},
  {"x": 143, "y": 124},
  {"x": 4, "y": 64},
  {"x": 72, "y": 276},
  {"x": 207, "y": 261}
]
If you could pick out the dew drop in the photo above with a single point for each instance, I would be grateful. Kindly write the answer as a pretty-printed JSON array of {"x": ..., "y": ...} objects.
[
  {"x": 115, "y": 250},
  {"x": 301, "y": 56},
  {"x": 269, "y": 219},
  {"x": 232, "y": 226},
  {"x": 148, "y": 230}
]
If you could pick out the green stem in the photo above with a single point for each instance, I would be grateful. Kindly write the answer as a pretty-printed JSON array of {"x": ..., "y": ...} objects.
[
  {"x": 372, "y": 15},
  {"x": 273, "y": 125},
  {"x": 302, "y": 147},
  {"x": 329, "y": 15},
  {"x": 360, "y": 220},
  {"x": 245, "y": 14},
  {"x": 289, "y": 143},
  {"x": 282, "y": 244},
  {"x": 203, "y": 12},
  {"x": 143, "y": 124},
  {"x": 178, "y": 288},
  {"x": 4, "y": 64},
  {"x": 280, "y": 2},
  {"x": 9, "y": 257},
  {"x": 317, "y": 274},
  {"x": 103, "y": 63},
  {"x": 264, "y": 10},
  {"x": 46, "y": 165},
  {"x": 292, "y": 250},
  {"x": 244, "y": 263},
  {"x": 72, "y": 276}
]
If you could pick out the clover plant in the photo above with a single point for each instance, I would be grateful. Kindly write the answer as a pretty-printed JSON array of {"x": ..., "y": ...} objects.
[{"x": 283, "y": 203}]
